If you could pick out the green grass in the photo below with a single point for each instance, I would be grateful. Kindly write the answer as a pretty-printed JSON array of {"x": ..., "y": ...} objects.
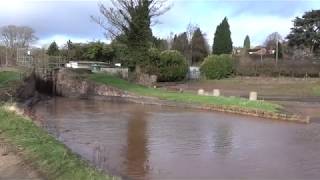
[
  {"x": 47, "y": 154},
  {"x": 7, "y": 77},
  {"x": 316, "y": 90},
  {"x": 186, "y": 97}
]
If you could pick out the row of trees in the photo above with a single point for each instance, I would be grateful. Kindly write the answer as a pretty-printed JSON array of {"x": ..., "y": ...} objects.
[
  {"x": 92, "y": 51},
  {"x": 194, "y": 46},
  {"x": 129, "y": 23},
  {"x": 195, "y": 49},
  {"x": 13, "y": 37}
]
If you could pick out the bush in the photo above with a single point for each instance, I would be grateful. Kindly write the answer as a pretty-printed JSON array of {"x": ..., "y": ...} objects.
[
  {"x": 172, "y": 66},
  {"x": 151, "y": 67},
  {"x": 217, "y": 66}
]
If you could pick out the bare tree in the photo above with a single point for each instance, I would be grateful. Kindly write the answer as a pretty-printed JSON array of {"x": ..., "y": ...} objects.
[
  {"x": 13, "y": 37},
  {"x": 190, "y": 30},
  {"x": 170, "y": 40},
  {"x": 17, "y": 36},
  {"x": 272, "y": 40},
  {"x": 118, "y": 19},
  {"x": 130, "y": 22}
]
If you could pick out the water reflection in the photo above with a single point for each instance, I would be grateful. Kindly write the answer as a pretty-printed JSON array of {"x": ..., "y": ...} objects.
[
  {"x": 137, "y": 152},
  {"x": 222, "y": 138},
  {"x": 152, "y": 142}
]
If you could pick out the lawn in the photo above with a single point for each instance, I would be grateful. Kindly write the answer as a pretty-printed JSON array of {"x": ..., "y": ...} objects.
[
  {"x": 187, "y": 97},
  {"x": 43, "y": 151},
  {"x": 8, "y": 77}
]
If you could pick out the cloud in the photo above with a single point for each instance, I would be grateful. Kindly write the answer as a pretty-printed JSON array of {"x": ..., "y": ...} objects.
[
  {"x": 70, "y": 19},
  {"x": 257, "y": 28},
  {"x": 54, "y": 18}
]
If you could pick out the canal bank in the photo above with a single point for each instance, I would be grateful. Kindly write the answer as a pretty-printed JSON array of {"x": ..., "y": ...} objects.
[
  {"x": 27, "y": 150},
  {"x": 40, "y": 151},
  {"x": 144, "y": 164},
  {"x": 102, "y": 86}
]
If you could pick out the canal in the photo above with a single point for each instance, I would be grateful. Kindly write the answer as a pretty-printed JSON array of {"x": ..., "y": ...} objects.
[{"x": 152, "y": 142}]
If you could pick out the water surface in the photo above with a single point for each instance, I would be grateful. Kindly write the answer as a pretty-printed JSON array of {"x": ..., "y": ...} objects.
[{"x": 153, "y": 142}]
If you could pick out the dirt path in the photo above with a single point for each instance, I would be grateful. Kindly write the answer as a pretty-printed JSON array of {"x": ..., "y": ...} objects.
[{"x": 12, "y": 167}]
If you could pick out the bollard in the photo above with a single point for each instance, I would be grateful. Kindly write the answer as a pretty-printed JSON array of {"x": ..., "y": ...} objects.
[
  {"x": 216, "y": 92},
  {"x": 253, "y": 96},
  {"x": 200, "y": 92}
]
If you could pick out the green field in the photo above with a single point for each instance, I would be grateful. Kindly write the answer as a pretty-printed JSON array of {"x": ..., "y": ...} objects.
[
  {"x": 187, "y": 97},
  {"x": 43, "y": 151}
]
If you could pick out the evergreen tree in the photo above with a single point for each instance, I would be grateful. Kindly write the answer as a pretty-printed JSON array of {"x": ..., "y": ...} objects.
[
  {"x": 53, "y": 49},
  {"x": 306, "y": 31},
  {"x": 199, "y": 47},
  {"x": 160, "y": 44},
  {"x": 132, "y": 21},
  {"x": 181, "y": 44},
  {"x": 222, "y": 43},
  {"x": 246, "y": 43}
]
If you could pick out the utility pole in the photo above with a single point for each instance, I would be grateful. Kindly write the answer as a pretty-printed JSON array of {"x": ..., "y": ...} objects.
[
  {"x": 277, "y": 50},
  {"x": 6, "y": 56}
]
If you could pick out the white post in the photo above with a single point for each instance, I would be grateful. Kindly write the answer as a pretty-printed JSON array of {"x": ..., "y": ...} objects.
[
  {"x": 216, "y": 92},
  {"x": 200, "y": 92},
  {"x": 253, "y": 96}
]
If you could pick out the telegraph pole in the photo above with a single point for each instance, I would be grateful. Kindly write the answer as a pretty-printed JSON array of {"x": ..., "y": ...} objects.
[
  {"x": 6, "y": 56},
  {"x": 277, "y": 50}
]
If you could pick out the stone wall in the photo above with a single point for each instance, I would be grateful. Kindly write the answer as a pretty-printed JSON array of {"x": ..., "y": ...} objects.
[
  {"x": 70, "y": 84},
  {"x": 146, "y": 79}
]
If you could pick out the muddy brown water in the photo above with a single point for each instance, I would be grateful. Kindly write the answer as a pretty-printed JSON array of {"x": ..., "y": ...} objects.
[{"x": 152, "y": 142}]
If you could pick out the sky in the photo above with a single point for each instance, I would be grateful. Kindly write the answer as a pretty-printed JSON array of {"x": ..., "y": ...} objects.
[{"x": 60, "y": 20}]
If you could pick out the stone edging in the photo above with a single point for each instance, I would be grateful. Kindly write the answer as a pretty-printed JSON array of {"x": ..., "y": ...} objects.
[{"x": 234, "y": 110}]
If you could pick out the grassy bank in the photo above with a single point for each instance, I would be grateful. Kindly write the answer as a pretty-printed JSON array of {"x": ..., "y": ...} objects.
[
  {"x": 8, "y": 77},
  {"x": 187, "y": 97},
  {"x": 44, "y": 152}
]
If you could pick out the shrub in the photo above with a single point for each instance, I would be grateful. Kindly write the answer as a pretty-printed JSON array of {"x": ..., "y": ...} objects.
[
  {"x": 217, "y": 66},
  {"x": 172, "y": 66},
  {"x": 151, "y": 67}
]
